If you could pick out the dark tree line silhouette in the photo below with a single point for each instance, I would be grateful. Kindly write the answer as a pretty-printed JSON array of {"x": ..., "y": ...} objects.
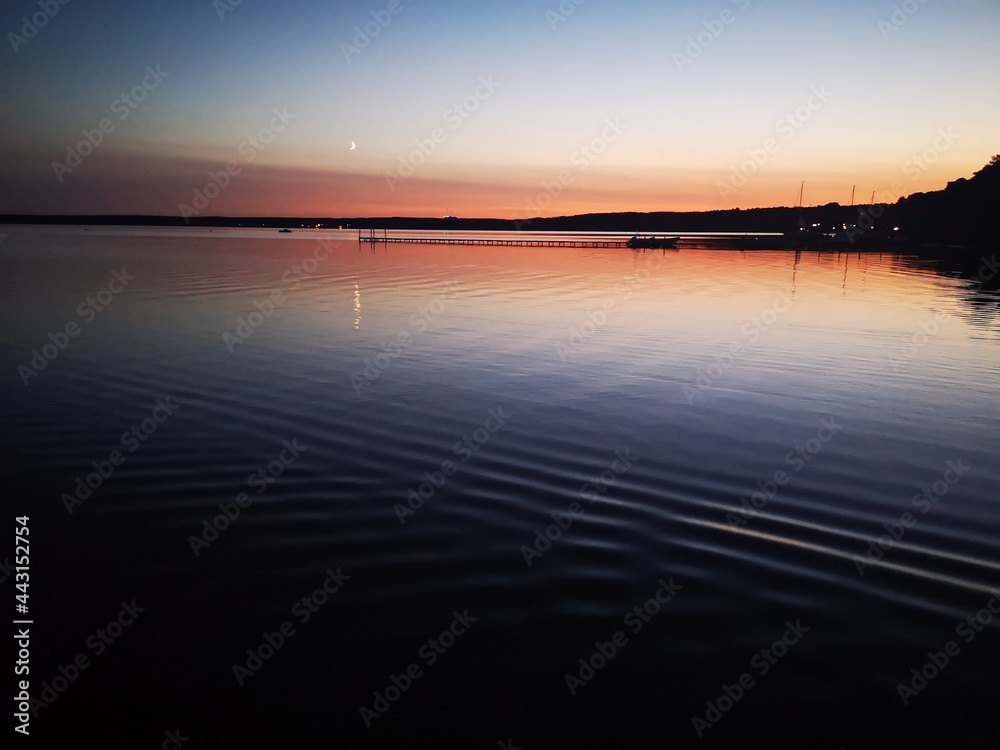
[{"x": 964, "y": 213}]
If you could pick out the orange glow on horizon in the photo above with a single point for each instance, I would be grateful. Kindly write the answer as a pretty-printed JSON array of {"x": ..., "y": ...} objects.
[{"x": 119, "y": 182}]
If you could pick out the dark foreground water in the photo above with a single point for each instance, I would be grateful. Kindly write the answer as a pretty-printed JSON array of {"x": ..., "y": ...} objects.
[{"x": 401, "y": 502}]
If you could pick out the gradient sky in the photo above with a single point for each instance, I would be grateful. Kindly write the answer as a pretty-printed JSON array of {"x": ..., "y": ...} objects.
[{"x": 683, "y": 130}]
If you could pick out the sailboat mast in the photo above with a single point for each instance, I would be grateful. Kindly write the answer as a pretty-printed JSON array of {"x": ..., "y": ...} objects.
[
  {"x": 801, "y": 192},
  {"x": 852, "y": 194}
]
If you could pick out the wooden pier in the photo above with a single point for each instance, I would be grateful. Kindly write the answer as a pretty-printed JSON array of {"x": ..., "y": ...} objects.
[{"x": 373, "y": 237}]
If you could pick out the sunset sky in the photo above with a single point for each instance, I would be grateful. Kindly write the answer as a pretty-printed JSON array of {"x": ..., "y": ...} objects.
[{"x": 522, "y": 108}]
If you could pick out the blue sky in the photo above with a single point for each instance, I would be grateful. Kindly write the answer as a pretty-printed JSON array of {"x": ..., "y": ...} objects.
[{"x": 892, "y": 90}]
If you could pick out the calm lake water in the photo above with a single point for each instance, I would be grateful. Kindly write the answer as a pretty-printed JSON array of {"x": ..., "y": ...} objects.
[{"x": 751, "y": 491}]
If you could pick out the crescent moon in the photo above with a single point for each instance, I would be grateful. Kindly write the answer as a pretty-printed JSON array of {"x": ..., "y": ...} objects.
[{"x": 353, "y": 145}]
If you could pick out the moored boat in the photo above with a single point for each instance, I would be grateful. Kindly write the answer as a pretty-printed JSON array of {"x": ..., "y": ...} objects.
[{"x": 657, "y": 243}]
